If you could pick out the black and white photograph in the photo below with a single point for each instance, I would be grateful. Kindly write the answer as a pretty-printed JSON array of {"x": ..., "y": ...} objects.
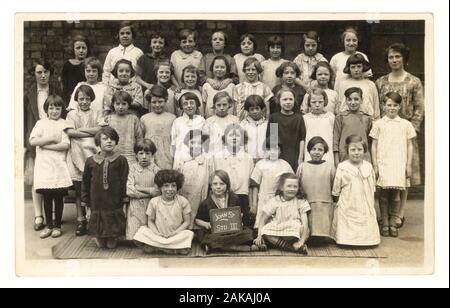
[{"x": 202, "y": 144}]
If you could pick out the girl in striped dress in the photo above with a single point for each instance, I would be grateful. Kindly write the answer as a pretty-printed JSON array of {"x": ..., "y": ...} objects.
[{"x": 284, "y": 221}]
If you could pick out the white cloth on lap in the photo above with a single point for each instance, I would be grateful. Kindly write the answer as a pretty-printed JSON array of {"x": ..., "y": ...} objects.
[{"x": 180, "y": 240}]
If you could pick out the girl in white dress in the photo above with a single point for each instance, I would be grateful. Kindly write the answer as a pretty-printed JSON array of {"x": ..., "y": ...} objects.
[
  {"x": 215, "y": 126},
  {"x": 191, "y": 81},
  {"x": 322, "y": 75},
  {"x": 197, "y": 167},
  {"x": 284, "y": 221},
  {"x": 356, "y": 66},
  {"x": 51, "y": 175},
  {"x": 190, "y": 120},
  {"x": 319, "y": 122},
  {"x": 265, "y": 177},
  {"x": 392, "y": 151},
  {"x": 84, "y": 124},
  {"x": 350, "y": 40},
  {"x": 93, "y": 73},
  {"x": 355, "y": 220}
]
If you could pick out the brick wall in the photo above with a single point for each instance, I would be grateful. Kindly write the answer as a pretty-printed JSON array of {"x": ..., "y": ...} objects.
[{"x": 52, "y": 38}]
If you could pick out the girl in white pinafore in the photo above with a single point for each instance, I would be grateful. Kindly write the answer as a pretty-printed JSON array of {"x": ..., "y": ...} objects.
[{"x": 355, "y": 220}]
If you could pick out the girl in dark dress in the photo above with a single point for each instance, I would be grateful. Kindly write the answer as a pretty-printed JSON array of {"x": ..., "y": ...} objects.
[
  {"x": 73, "y": 70},
  {"x": 288, "y": 128},
  {"x": 104, "y": 189},
  {"x": 221, "y": 197}
]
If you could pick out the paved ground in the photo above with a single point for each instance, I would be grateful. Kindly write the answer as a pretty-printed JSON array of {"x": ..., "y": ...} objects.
[{"x": 405, "y": 254}]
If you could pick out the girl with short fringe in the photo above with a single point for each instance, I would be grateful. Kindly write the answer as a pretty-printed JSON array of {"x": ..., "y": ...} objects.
[
  {"x": 190, "y": 120},
  {"x": 322, "y": 75},
  {"x": 126, "y": 35},
  {"x": 252, "y": 86},
  {"x": 93, "y": 73},
  {"x": 288, "y": 128},
  {"x": 239, "y": 165},
  {"x": 316, "y": 181},
  {"x": 215, "y": 126},
  {"x": 318, "y": 121},
  {"x": 84, "y": 124},
  {"x": 284, "y": 221},
  {"x": 219, "y": 41},
  {"x": 157, "y": 125},
  {"x": 126, "y": 124},
  {"x": 248, "y": 49},
  {"x": 275, "y": 48},
  {"x": 197, "y": 167},
  {"x": 288, "y": 72},
  {"x": 307, "y": 60},
  {"x": 187, "y": 54},
  {"x": 392, "y": 152},
  {"x": 351, "y": 122},
  {"x": 51, "y": 175},
  {"x": 356, "y": 66},
  {"x": 265, "y": 176},
  {"x": 141, "y": 186},
  {"x": 191, "y": 83},
  {"x": 350, "y": 40},
  {"x": 255, "y": 124},
  {"x": 169, "y": 216},
  {"x": 157, "y": 44},
  {"x": 73, "y": 69},
  {"x": 355, "y": 219},
  {"x": 220, "y": 68},
  {"x": 104, "y": 190},
  {"x": 123, "y": 73}
]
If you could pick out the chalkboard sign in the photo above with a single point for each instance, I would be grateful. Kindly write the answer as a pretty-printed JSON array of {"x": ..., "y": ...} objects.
[{"x": 225, "y": 220}]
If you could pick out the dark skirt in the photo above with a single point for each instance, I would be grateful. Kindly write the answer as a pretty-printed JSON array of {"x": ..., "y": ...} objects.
[
  {"x": 107, "y": 223},
  {"x": 63, "y": 191},
  {"x": 224, "y": 240}
]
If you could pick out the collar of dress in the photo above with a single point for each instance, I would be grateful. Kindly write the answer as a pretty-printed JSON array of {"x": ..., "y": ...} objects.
[
  {"x": 347, "y": 112},
  {"x": 239, "y": 155},
  {"x": 128, "y": 48},
  {"x": 100, "y": 157},
  {"x": 387, "y": 119},
  {"x": 151, "y": 167},
  {"x": 255, "y": 123},
  {"x": 255, "y": 84},
  {"x": 199, "y": 159},
  {"x": 365, "y": 169},
  {"x": 195, "y": 54}
]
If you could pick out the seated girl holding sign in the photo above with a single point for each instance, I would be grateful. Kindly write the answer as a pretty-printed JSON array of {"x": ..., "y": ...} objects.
[{"x": 221, "y": 197}]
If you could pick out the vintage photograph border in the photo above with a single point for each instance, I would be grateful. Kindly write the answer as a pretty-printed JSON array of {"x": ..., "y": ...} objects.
[{"x": 152, "y": 267}]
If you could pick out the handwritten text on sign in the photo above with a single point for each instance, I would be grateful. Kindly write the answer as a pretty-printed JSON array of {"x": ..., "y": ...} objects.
[{"x": 226, "y": 220}]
